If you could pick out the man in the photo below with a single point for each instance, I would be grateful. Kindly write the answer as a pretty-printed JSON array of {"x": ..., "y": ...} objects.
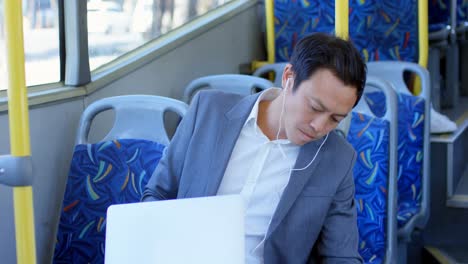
[{"x": 277, "y": 150}]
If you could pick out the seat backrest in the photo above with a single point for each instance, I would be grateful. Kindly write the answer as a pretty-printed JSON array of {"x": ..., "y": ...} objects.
[
  {"x": 413, "y": 142},
  {"x": 148, "y": 125},
  {"x": 439, "y": 14},
  {"x": 374, "y": 140},
  {"x": 276, "y": 68},
  {"x": 385, "y": 29},
  {"x": 382, "y": 29},
  {"x": 462, "y": 12},
  {"x": 295, "y": 19},
  {"x": 232, "y": 83},
  {"x": 112, "y": 171}
]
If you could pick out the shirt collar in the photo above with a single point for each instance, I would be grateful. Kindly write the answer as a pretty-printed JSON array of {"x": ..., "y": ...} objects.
[{"x": 267, "y": 95}]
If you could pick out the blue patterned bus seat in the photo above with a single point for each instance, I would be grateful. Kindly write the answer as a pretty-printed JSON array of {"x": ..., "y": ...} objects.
[
  {"x": 370, "y": 138},
  {"x": 102, "y": 174},
  {"x": 295, "y": 19},
  {"x": 385, "y": 29},
  {"x": 462, "y": 11},
  {"x": 410, "y": 150},
  {"x": 380, "y": 29},
  {"x": 439, "y": 14}
]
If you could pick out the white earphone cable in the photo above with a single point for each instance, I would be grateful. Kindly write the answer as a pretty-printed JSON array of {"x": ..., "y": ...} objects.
[
  {"x": 315, "y": 156},
  {"x": 282, "y": 109},
  {"x": 279, "y": 130}
]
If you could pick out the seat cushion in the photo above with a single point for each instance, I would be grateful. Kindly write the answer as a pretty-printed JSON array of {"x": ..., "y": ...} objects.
[
  {"x": 102, "y": 174},
  {"x": 370, "y": 138}
]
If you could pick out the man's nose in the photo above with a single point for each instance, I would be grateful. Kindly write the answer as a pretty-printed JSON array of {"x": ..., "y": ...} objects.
[{"x": 319, "y": 124}]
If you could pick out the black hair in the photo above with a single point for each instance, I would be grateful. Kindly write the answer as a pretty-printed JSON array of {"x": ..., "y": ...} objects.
[{"x": 322, "y": 51}]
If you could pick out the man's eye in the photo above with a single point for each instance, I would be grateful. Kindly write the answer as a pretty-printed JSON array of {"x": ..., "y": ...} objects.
[{"x": 315, "y": 109}]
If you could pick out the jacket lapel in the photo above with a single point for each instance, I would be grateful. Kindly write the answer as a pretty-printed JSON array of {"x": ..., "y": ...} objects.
[
  {"x": 296, "y": 182},
  {"x": 226, "y": 137}
]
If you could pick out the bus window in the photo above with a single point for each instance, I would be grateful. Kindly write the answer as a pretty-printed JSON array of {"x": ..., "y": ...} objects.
[
  {"x": 41, "y": 42},
  {"x": 118, "y": 26}
]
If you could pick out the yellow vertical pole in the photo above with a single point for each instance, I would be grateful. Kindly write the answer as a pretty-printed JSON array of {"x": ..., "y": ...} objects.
[
  {"x": 270, "y": 30},
  {"x": 19, "y": 130},
  {"x": 423, "y": 32},
  {"x": 423, "y": 37},
  {"x": 342, "y": 19},
  {"x": 270, "y": 39}
]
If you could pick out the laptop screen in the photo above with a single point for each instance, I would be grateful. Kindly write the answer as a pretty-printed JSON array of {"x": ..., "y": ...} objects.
[{"x": 198, "y": 230}]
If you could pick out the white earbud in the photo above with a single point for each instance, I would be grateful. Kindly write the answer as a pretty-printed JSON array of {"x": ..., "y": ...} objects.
[{"x": 287, "y": 83}]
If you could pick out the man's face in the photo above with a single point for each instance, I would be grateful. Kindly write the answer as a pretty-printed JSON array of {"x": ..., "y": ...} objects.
[{"x": 316, "y": 107}]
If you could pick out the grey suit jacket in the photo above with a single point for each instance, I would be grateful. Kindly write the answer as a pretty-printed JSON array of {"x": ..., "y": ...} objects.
[{"x": 315, "y": 220}]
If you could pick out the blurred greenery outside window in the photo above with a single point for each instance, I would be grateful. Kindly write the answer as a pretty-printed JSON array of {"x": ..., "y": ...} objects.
[
  {"x": 116, "y": 27},
  {"x": 41, "y": 42}
]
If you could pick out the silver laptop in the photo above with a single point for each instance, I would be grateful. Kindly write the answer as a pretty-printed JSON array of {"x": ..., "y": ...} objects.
[{"x": 200, "y": 230}]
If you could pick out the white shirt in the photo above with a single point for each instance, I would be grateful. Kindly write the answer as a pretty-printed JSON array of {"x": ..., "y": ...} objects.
[{"x": 259, "y": 169}]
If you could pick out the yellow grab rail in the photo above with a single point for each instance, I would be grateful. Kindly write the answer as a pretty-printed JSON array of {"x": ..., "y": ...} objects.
[
  {"x": 423, "y": 33},
  {"x": 19, "y": 130},
  {"x": 423, "y": 43},
  {"x": 341, "y": 19},
  {"x": 270, "y": 33},
  {"x": 341, "y": 28},
  {"x": 270, "y": 30}
]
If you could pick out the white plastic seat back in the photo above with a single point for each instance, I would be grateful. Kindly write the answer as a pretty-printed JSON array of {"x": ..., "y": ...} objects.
[
  {"x": 372, "y": 83},
  {"x": 392, "y": 71},
  {"x": 136, "y": 116},
  {"x": 276, "y": 68},
  {"x": 232, "y": 83}
]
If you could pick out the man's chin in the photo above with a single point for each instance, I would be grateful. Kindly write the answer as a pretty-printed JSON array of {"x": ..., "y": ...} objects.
[
  {"x": 299, "y": 141},
  {"x": 306, "y": 138}
]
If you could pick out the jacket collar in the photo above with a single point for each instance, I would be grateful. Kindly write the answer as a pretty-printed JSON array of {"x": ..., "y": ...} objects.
[
  {"x": 297, "y": 182},
  {"x": 226, "y": 137},
  {"x": 242, "y": 108}
]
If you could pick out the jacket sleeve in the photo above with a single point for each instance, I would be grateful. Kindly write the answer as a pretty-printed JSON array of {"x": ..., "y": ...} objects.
[
  {"x": 339, "y": 238},
  {"x": 164, "y": 183}
]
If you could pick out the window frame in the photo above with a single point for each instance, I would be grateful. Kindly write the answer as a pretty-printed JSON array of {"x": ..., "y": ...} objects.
[{"x": 76, "y": 78}]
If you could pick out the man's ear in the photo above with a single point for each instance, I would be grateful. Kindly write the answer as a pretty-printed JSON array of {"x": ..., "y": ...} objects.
[{"x": 287, "y": 73}]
